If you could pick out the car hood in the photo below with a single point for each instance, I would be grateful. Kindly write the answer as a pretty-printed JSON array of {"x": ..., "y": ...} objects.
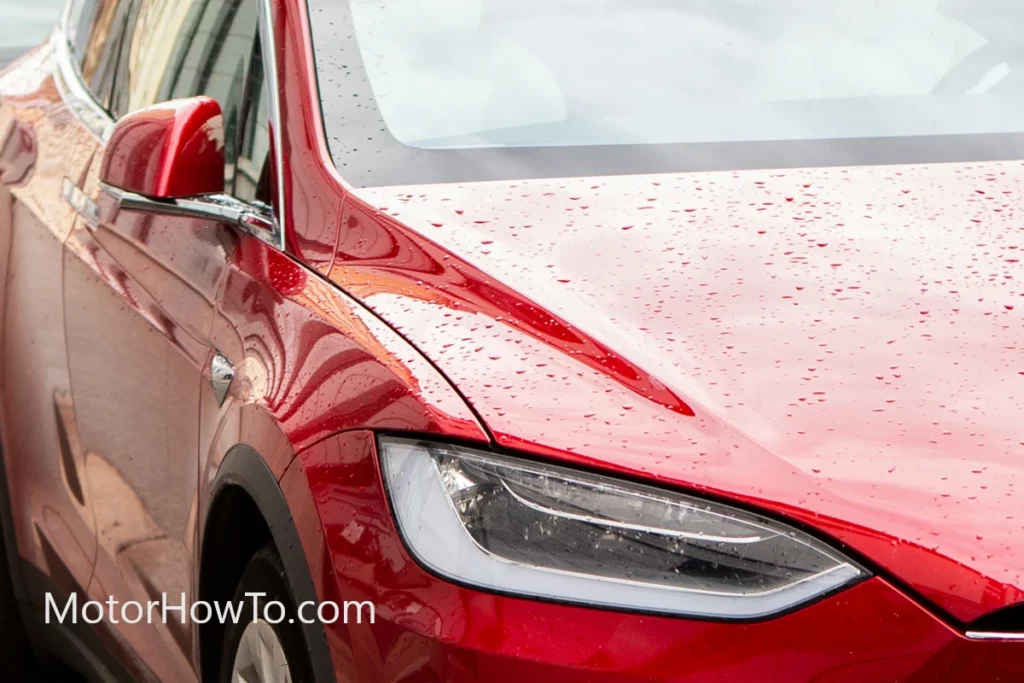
[{"x": 841, "y": 346}]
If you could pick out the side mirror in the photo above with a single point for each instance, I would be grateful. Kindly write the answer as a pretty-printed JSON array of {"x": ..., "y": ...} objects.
[{"x": 171, "y": 150}]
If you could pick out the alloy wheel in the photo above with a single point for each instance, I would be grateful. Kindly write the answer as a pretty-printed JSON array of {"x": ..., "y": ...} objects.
[{"x": 260, "y": 657}]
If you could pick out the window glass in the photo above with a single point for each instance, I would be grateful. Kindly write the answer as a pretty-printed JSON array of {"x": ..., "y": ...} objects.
[
  {"x": 253, "y": 174},
  {"x": 95, "y": 31},
  {"x": 119, "y": 90},
  {"x": 80, "y": 20},
  {"x": 184, "y": 48},
  {"x": 451, "y": 90}
]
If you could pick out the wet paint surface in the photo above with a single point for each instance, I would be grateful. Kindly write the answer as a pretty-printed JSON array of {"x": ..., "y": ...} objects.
[
  {"x": 430, "y": 630},
  {"x": 848, "y": 341},
  {"x": 839, "y": 347}
]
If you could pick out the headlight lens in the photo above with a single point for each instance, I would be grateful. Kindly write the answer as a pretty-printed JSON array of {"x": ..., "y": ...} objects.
[{"x": 518, "y": 527}]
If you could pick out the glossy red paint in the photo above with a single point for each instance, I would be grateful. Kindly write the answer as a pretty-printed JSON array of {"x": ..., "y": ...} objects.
[
  {"x": 320, "y": 363},
  {"x": 140, "y": 293},
  {"x": 554, "y": 370},
  {"x": 312, "y": 190},
  {"x": 54, "y": 528},
  {"x": 649, "y": 319},
  {"x": 781, "y": 353},
  {"x": 170, "y": 150},
  {"x": 836, "y": 348},
  {"x": 430, "y": 630}
]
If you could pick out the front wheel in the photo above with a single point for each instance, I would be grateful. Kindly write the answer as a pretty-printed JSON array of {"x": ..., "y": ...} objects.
[
  {"x": 256, "y": 650},
  {"x": 16, "y": 662}
]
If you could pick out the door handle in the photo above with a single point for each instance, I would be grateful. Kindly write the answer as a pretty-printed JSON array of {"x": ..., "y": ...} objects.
[
  {"x": 80, "y": 202},
  {"x": 222, "y": 373}
]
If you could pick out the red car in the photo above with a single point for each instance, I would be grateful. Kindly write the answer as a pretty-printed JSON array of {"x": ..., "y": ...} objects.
[{"x": 489, "y": 341}]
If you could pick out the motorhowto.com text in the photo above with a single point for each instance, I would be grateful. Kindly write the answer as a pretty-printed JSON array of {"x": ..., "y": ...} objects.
[{"x": 165, "y": 610}]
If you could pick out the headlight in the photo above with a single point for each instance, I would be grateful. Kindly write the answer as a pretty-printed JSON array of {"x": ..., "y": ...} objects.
[{"x": 517, "y": 527}]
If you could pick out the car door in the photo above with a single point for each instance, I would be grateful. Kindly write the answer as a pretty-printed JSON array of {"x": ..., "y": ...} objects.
[
  {"x": 51, "y": 123},
  {"x": 139, "y": 294}
]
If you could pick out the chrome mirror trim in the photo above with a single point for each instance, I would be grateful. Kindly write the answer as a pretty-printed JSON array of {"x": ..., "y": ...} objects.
[
  {"x": 993, "y": 635},
  {"x": 215, "y": 207}
]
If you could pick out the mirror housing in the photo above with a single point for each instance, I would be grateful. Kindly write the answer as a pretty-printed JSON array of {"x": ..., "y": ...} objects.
[{"x": 171, "y": 150}]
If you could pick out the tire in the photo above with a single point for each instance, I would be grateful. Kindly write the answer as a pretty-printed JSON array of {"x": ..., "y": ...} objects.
[
  {"x": 265, "y": 574},
  {"x": 17, "y": 661}
]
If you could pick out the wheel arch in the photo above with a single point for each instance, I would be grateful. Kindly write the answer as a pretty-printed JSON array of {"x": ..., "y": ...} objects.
[{"x": 247, "y": 506}]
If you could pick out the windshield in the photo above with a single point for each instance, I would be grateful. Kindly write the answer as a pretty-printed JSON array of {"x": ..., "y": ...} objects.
[{"x": 446, "y": 90}]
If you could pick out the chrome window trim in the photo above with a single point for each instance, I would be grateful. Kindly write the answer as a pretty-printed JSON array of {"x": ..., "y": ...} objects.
[
  {"x": 71, "y": 85},
  {"x": 268, "y": 45}
]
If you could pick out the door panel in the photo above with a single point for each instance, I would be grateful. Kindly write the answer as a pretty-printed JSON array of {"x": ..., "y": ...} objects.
[
  {"x": 41, "y": 145},
  {"x": 139, "y": 300}
]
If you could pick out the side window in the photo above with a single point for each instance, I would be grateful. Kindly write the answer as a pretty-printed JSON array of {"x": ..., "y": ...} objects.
[
  {"x": 254, "y": 181},
  {"x": 95, "y": 30},
  {"x": 79, "y": 28},
  {"x": 184, "y": 48}
]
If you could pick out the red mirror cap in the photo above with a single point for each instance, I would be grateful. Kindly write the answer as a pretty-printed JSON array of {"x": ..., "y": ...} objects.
[{"x": 170, "y": 150}]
